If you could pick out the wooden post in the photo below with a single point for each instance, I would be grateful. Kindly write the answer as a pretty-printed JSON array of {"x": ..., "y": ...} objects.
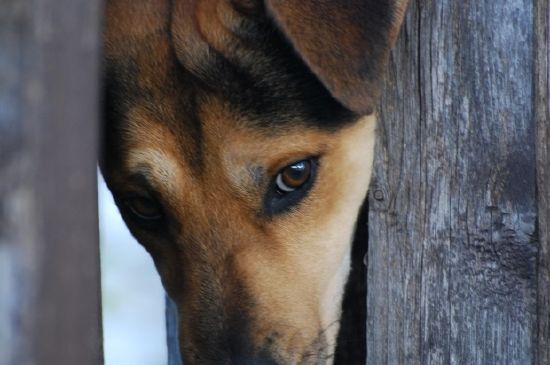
[
  {"x": 49, "y": 259},
  {"x": 458, "y": 272},
  {"x": 542, "y": 119}
]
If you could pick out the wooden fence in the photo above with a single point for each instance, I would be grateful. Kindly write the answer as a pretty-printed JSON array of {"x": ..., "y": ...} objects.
[
  {"x": 49, "y": 259},
  {"x": 458, "y": 263},
  {"x": 459, "y": 248}
]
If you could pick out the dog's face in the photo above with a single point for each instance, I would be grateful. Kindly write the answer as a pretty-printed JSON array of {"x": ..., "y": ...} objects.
[{"x": 239, "y": 153}]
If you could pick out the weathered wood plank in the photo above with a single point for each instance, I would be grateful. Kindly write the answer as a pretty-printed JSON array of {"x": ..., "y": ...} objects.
[
  {"x": 393, "y": 272},
  {"x": 542, "y": 48},
  {"x": 49, "y": 260},
  {"x": 452, "y": 271},
  {"x": 14, "y": 32}
]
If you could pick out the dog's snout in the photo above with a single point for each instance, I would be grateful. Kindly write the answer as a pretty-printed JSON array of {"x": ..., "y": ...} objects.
[{"x": 243, "y": 353}]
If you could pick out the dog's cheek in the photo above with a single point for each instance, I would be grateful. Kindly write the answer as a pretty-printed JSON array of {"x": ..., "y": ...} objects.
[
  {"x": 296, "y": 273},
  {"x": 352, "y": 167},
  {"x": 319, "y": 238}
]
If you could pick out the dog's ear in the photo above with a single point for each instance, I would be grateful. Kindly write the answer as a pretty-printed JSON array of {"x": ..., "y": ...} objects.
[{"x": 345, "y": 43}]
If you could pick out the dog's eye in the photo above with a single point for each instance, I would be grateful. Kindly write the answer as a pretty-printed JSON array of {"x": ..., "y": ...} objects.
[
  {"x": 143, "y": 208},
  {"x": 293, "y": 176},
  {"x": 290, "y": 186}
]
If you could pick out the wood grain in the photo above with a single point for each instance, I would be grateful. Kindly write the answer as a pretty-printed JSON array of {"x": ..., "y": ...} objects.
[
  {"x": 453, "y": 245},
  {"x": 49, "y": 252},
  {"x": 542, "y": 116}
]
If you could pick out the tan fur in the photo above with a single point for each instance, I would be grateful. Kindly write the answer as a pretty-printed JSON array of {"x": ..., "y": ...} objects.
[
  {"x": 296, "y": 265},
  {"x": 315, "y": 241}
]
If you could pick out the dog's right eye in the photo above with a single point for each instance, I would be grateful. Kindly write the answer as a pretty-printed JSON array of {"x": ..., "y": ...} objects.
[{"x": 143, "y": 208}]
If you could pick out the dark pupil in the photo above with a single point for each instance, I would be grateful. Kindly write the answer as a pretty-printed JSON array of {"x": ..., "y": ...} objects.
[{"x": 297, "y": 174}]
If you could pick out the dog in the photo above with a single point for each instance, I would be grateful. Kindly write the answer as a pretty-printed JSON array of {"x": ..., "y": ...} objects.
[{"x": 238, "y": 145}]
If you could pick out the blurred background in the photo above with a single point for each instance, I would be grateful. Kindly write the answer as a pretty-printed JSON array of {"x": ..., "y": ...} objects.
[{"x": 133, "y": 298}]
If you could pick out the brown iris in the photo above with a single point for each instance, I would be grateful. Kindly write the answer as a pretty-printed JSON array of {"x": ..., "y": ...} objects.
[
  {"x": 144, "y": 208},
  {"x": 294, "y": 176}
]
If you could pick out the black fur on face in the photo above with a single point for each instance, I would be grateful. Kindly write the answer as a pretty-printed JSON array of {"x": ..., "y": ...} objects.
[{"x": 271, "y": 86}]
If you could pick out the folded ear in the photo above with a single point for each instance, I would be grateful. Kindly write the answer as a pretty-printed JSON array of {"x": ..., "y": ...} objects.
[{"x": 345, "y": 43}]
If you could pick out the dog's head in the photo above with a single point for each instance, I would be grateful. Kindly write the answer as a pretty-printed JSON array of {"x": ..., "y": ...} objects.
[{"x": 238, "y": 147}]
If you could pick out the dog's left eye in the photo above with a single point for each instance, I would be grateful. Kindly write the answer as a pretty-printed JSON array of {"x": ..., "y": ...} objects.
[
  {"x": 290, "y": 186},
  {"x": 143, "y": 208},
  {"x": 293, "y": 176}
]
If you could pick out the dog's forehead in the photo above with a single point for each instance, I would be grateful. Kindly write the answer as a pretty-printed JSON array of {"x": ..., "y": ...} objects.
[
  {"x": 146, "y": 98},
  {"x": 247, "y": 61},
  {"x": 201, "y": 55},
  {"x": 209, "y": 86}
]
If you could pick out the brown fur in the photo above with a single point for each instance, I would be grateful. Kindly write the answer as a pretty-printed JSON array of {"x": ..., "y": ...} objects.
[{"x": 201, "y": 114}]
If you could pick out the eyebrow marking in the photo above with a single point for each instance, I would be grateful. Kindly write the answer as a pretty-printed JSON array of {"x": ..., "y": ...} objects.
[{"x": 154, "y": 165}]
